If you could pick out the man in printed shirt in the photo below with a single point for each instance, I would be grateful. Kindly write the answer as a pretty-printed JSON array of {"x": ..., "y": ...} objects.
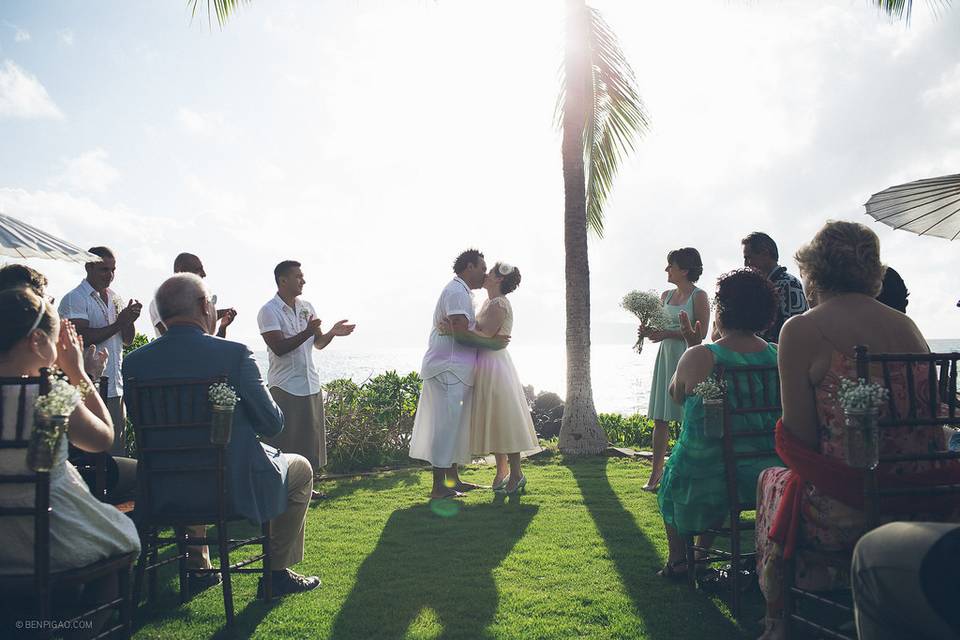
[
  {"x": 102, "y": 318},
  {"x": 760, "y": 254},
  {"x": 291, "y": 329}
]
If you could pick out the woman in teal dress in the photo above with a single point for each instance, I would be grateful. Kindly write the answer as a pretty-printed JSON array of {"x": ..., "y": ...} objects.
[
  {"x": 693, "y": 492},
  {"x": 684, "y": 268}
]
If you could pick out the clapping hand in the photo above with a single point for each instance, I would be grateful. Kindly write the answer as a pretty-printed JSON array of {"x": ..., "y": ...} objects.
[
  {"x": 691, "y": 333},
  {"x": 94, "y": 361},
  {"x": 229, "y": 315},
  {"x": 70, "y": 351},
  {"x": 342, "y": 328},
  {"x": 130, "y": 313}
]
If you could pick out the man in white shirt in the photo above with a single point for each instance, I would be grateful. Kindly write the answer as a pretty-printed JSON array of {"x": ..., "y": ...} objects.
[
  {"x": 189, "y": 263},
  {"x": 101, "y": 318},
  {"x": 291, "y": 329},
  {"x": 441, "y": 428}
]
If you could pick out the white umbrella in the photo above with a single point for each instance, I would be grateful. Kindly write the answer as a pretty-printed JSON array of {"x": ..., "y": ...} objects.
[
  {"x": 929, "y": 207},
  {"x": 21, "y": 240}
]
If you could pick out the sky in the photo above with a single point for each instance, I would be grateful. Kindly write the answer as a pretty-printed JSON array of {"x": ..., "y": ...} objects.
[{"x": 373, "y": 140}]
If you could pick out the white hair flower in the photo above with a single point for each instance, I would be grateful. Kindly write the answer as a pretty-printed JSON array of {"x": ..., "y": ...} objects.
[{"x": 505, "y": 269}]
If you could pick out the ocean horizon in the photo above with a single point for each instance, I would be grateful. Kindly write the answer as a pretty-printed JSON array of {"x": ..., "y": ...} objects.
[{"x": 621, "y": 378}]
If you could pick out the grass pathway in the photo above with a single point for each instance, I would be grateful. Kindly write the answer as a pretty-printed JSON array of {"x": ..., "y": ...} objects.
[{"x": 573, "y": 558}]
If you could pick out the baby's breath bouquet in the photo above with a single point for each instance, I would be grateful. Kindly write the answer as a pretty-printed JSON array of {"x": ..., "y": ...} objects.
[
  {"x": 861, "y": 402},
  {"x": 648, "y": 308},
  {"x": 224, "y": 400},
  {"x": 711, "y": 391},
  {"x": 50, "y": 415}
]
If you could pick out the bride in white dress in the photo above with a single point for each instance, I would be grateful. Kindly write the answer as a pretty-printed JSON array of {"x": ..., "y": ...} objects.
[{"x": 500, "y": 421}]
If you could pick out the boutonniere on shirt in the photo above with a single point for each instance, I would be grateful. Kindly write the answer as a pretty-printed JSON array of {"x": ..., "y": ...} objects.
[
  {"x": 117, "y": 304},
  {"x": 305, "y": 315}
]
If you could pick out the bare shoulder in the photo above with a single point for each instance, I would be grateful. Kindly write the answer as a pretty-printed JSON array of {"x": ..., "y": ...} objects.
[
  {"x": 800, "y": 329},
  {"x": 665, "y": 295},
  {"x": 697, "y": 356}
]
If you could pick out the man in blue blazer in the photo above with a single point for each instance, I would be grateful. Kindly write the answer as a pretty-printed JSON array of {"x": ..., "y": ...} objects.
[{"x": 263, "y": 483}]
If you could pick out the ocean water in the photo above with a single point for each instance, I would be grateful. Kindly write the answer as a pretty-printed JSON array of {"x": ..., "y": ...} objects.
[{"x": 621, "y": 378}]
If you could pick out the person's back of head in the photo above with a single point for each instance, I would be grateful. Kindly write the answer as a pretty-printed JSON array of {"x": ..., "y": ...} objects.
[
  {"x": 894, "y": 291},
  {"x": 843, "y": 257},
  {"x": 181, "y": 297},
  {"x": 745, "y": 301},
  {"x": 20, "y": 275}
]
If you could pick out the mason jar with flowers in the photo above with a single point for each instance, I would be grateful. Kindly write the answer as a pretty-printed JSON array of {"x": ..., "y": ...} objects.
[
  {"x": 861, "y": 402},
  {"x": 223, "y": 401},
  {"x": 51, "y": 413},
  {"x": 711, "y": 392}
]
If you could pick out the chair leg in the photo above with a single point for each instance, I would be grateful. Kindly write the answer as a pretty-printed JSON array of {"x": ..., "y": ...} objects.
[
  {"x": 224, "y": 552},
  {"x": 691, "y": 562},
  {"x": 787, "y": 597},
  {"x": 126, "y": 605},
  {"x": 181, "y": 535},
  {"x": 267, "y": 563},
  {"x": 735, "y": 566},
  {"x": 152, "y": 577},
  {"x": 142, "y": 562}
]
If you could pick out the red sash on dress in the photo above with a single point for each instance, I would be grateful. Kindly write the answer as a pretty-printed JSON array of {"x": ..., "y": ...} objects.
[{"x": 832, "y": 477}]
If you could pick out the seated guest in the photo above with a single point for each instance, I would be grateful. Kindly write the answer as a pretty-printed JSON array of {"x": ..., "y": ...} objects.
[
  {"x": 816, "y": 505},
  {"x": 121, "y": 471},
  {"x": 264, "y": 484},
  {"x": 693, "y": 492},
  {"x": 189, "y": 263},
  {"x": 904, "y": 578},
  {"x": 893, "y": 292},
  {"x": 83, "y": 530}
]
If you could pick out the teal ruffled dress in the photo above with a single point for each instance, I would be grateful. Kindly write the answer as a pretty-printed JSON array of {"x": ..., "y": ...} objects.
[
  {"x": 661, "y": 406},
  {"x": 693, "y": 491}
]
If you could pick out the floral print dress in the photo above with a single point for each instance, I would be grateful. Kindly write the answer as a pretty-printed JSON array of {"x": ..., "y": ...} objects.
[{"x": 829, "y": 528}]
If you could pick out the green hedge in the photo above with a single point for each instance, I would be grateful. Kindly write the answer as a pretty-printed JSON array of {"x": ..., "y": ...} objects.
[{"x": 634, "y": 431}]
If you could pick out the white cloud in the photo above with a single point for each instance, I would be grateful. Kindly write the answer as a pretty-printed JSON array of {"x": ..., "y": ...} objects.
[
  {"x": 21, "y": 35},
  {"x": 209, "y": 124},
  {"x": 22, "y": 95},
  {"x": 90, "y": 172},
  {"x": 66, "y": 37}
]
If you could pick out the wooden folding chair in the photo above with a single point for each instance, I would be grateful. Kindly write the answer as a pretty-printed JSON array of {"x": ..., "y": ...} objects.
[
  {"x": 42, "y": 582},
  {"x": 939, "y": 408},
  {"x": 172, "y": 423},
  {"x": 747, "y": 390}
]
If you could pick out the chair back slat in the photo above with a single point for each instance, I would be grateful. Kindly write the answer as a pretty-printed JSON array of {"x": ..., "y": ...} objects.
[
  {"x": 748, "y": 390},
  {"x": 927, "y": 414},
  {"x": 172, "y": 421}
]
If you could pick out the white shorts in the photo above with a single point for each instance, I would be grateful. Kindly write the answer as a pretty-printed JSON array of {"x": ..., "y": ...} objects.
[{"x": 441, "y": 428}]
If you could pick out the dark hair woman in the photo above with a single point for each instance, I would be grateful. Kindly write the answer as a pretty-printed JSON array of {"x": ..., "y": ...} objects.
[
  {"x": 693, "y": 495},
  {"x": 684, "y": 268}
]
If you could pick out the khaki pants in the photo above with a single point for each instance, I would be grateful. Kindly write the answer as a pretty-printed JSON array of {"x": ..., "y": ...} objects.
[
  {"x": 304, "y": 432},
  {"x": 119, "y": 418},
  {"x": 287, "y": 529},
  {"x": 888, "y": 591}
]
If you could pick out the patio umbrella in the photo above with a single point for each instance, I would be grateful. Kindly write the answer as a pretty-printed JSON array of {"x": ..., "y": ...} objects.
[
  {"x": 21, "y": 240},
  {"x": 929, "y": 207}
]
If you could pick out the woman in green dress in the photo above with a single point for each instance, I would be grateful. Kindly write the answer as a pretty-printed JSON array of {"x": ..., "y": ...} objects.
[
  {"x": 684, "y": 268},
  {"x": 693, "y": 492}
]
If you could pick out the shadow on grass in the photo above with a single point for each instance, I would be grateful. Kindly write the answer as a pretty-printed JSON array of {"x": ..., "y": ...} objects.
[
  {"x": 343, "y": 487},
  {"x": 424, "y": 561},
  {"x": 669, "y": 610}
]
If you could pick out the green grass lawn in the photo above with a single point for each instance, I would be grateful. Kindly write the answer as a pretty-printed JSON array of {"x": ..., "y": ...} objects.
[{"x": 573, "y": 558}]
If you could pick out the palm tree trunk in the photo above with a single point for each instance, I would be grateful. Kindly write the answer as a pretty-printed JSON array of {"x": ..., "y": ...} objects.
[{"x": 579, "y": 431}]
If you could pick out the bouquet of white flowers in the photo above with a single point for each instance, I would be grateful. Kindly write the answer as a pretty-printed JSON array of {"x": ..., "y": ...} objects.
[
  {"x": 223, "y": 395},
  {"x": 709, "y": 389},
  {"x": 856, "y": 397},
  {"x": 648, "y": 308}
]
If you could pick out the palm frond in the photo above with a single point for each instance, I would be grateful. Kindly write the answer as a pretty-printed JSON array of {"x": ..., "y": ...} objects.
[
  {"x": 614, "y": 115},
  {"x": 903, "y": 9},
  {"x": 222, "y": 8}
]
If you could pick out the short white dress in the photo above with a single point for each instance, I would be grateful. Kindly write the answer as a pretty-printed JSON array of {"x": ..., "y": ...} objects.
[
  {"x": 83, "y": 530},
  {"x": 500, "y": 419}
]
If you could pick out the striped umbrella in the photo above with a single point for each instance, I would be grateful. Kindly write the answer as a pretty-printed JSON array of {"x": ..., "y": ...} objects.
[
  {"x": 21, "y": 240},
  {"x": 929, "y": 207}
]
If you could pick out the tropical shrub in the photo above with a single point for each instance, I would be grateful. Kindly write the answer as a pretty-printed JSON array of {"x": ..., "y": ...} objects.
[
  {"x": 369, "y": 424},
  {"x": 635, "y": 431}
]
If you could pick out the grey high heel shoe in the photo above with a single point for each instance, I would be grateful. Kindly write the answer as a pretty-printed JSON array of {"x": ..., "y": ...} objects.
[
  {"x": 499, "y": 487},
  {"x": 520, "y": 488}
]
